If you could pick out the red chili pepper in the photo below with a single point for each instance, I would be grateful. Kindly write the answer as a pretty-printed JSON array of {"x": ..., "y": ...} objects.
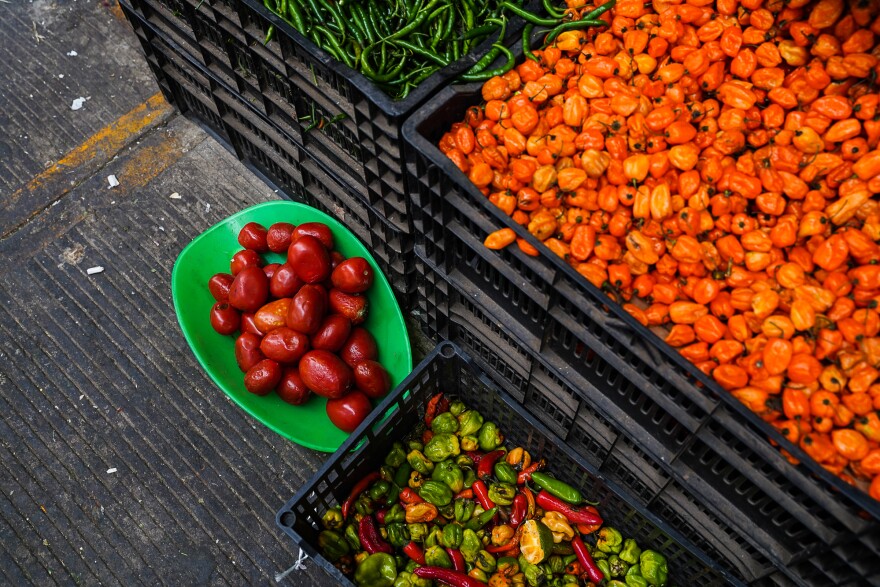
[
  {"x": 484, "y": 469},
  {"x": 518, "y": 510},
  {"x": 451, "y": 578},
  {"x": 580, "y": 549},
  {"x": 409, "y": 496},
  {"x": 589, "y": 528},
  {"x": 358, "y": 488},
  {"x": 465, "y": 494},
  {"x": 482, "y": 495},
  {"x": 457, "y": 560},
  {"x": 495, "y": 549},
  {"x": 415, "y": 552},
  {"x": 380, "y": 516},
  {"x": 575, "y": 515},
  {"x": 427, "y": 435},
  {"x": 475, "y": 456},
  {"x": 370, "y": 538},
  {"x": 436, "y": 405},
  {"x": 526, "y": 474}
]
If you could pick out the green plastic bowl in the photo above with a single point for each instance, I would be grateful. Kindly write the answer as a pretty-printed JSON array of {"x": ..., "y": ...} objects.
[{"x": 210, "y": 253}]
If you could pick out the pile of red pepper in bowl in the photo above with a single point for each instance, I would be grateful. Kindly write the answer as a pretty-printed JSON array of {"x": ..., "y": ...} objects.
[{"x": 453, "y": 505}]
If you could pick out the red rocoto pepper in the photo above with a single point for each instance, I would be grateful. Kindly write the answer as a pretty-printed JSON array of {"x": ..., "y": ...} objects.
[
  {"x": 465, "y": 493},
  {"x": 482, "y": 495},
  {"x": 358, "y": 488},
  {"x": 409, "y": 496},
  {"x": 475, "y": 456},
  {"x": 518, "y": 510},
  {"x": 457, "y": 560},
  {"x": 451, "y": 578},
  {"x": 436, "y": 405},
  {"x": 575, "y": 515},
  {"x": 526, "y": 474},
  {"x": 380, "y": 516},
  {"x": 370, "y": 538},
  {"x": 585, "y": 558},
  {"x": 415, "y": 552},
  {"x": 484, "y": 469}
]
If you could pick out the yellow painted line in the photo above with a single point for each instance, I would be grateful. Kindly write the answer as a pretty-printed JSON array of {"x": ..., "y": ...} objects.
[
  {"x": 104, "y": 144},
  {"x": 147, "y": 162}
]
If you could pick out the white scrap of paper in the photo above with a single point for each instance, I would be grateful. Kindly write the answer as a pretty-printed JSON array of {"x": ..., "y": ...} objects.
[
  {"x": 93, "y": 270},
  {"x": 174, "y": 196},
  {"x": 78, "y": 103},
  {"x": 111, "y": 179},
  {"x": 111, "y": 471},
  {"x": 72, "y": 53}
]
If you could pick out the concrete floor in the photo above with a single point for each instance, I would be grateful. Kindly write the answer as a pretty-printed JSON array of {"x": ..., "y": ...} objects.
[{"x": 122, "y": 463}]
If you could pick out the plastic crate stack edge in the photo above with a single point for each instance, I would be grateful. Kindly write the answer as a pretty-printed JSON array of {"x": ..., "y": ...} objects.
[
  {"x": 450, "y": 370},
  {"x": 702, "y": 444},
  {"x": 269, "y": 151}
]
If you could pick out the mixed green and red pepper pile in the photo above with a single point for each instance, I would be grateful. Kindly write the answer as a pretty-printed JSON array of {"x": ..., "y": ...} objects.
[
  {"x": 400, "y": 43},
  {"x": 455, "y": 507}
]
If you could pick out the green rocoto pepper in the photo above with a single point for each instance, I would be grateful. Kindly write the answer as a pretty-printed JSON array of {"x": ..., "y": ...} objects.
[
  {"x": 377, "y": 570},
  {"x": 332, "y": 519},
  {"x": 464, "y": 509},
  {"x": 437, "y": 557},
  {"x": 469, "y": 477},
  {"x": 502, "y": 493},
  {"x": 505, "y": 473},
  {"x": 485, "y": 561},
  {"x": 393, "y": 493},
  {"x": 618, "y": 567},
  {"x": 364, "y": 505},
  {"x": 569, "y": 580},
  {"x": 436, "y": 492},
  {"x": 434, "y": 536},
  {"x": 634, "y": 577},
  {"x": 507, "y": 566},
  {"x": 351, "y": 536},
  {"x": 534, "y": 574},
  {"x": 447, "y": 511},
  {"x": 453, "y": 534},
  {"x": 414, "y": 445},
  {"x": 603, "y": 565},
  {"x": 469, "y": 423},
  {"x": 401, "y": 475},
  {"x": 457, "y": 407},
  {"x": 615, "y": 583},
  {"x": 441, "y": 447},
  {"x": 555, "y": 564},
  {"x": 479, "y": 575},
  {"x": 418, "y": 531},
  {"x": 609, "y": 540},
  {"x": 419, "y": 462},
  {"x": 490, "y": 437},
  {"x": 630, "y": 552},
  {"x": 378, "y": 490},
  {"x": 469, "y": 443},
  {"x": 654, "y": 568},
  {"x": 396, "y": 456},
  {"x": 450, "y": 473},
  {"x": 407, "y": 579},
  {"x": 398, "y": 534},
  {"x": 386, "y": 473},
  {"x": 332, "y": 544},
  {"x": 464, "y": 462},
  {"x": 470, "y": 545},
  {"x": 445, "y": 423}
]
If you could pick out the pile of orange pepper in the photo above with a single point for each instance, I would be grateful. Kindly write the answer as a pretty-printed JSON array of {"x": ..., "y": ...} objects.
[{"x": 713, "y": 165}]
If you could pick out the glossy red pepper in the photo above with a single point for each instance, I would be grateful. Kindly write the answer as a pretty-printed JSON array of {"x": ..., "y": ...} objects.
[
  {"x": 449, "y": 577},
  {"x": 487, "y": 462},
  {"x": 518, "y": 510},
  {"x": 408, "y": 496},
  {"x": 482, "y": 495},
  {"x": 370, "y": 537},
  {"x": 358, "y": 488},
  {"x": 475, "y": 456},
  {"x": 380, "y": 516},
  {"x": 580, "y": 549},
  {"x": 457, "y": 560},
  {"x": 415, "y": 552},
  {"x": 465, "y": 494},
  {"x": 526, "y": 474},
  {"x": 575, "y": 515},
  {"x": 436, "y": 405}
]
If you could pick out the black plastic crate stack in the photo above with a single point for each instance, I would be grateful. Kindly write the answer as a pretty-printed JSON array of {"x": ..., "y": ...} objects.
[
  {"x": 214, "y": 97},
  {"x": 447, "y": 369},
  {"x": 617, "y": 393}
]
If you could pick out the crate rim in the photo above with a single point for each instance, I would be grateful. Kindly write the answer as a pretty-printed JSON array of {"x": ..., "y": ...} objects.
[
  {"x": 430, "y": 151},
  {"x": 448, "y": 350}
]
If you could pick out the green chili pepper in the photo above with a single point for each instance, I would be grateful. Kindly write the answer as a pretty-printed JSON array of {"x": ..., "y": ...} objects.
[
  {"x": 568, "y": 559},
  {"x": 332, "y": 518},
  {"x": 534, "y": 574},
  {"x": 502, "y": 493},
  {"x": 351, "y": 536},
  {"x": 442, "y": 446},
  {"x": 469, "y": 477},
  {"x": 378, "y": 490},
  {"x": 617, "y": 566},
  {"x": 450, "y": 474},
  {"x": 453, "y": 534},
  {"x": 481, "y": 520},
  {"x": 654, "y": 568},
  {"x": 398, "y": 534},
  {"x": 445, "y": 422},
  {"x": 560, "y": 489},
  {"x": 416, "y": 22},
  {"x": 401, "y": 476},
  {"x": 528, "y": 16},
  {"x": 603, "y": 565},
  {"x": 490, "y": 437},
  {"x": 505, "y": 473},
  {"x": 396, "y": 456},
  {"x": 630, "y": 552},
  {"x": 333, "y": 44},
  {"x": 436, "y": 557},
  {"x": 527, "y": 43},
  {"x": 464, "y": 509},
  {"x": 419, "y": 462},
  {"x": 479, "y": 575},
  {"x": 599, "y": 11},
  {"x": 332, "y": 544},
  {"x": 634, "y": 577},
  {"x": 551, "y": 10},
  {"x": 395, "y": 513},
  {"x": 571, "y": 26},
  {"x": 436, "y": 492},
  {"x": 377, "y": 570},
  {"x": 469, "y": 422},
  {"x": 393, "y": 493},
  {"x": 609, "y": 540}
]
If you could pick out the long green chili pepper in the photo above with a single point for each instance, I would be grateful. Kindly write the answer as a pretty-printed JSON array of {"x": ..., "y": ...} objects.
[
  {"x": 376, "y": 76},
  {"x": 551, "y": 10},
  {"x": 487, "y": 59},
  {"x": 342, "y": 55},
  {"x": 416, "y": 22},
  {"x": 489, "y": 74},
  {"x": 528, "y": 16},
  {"x": 295, "y": 16},
  {"x": 423, "y": 52},
  {"x": 599, "y": 11},
  {"x": 527, "y": 43},
  {"x": 572, "y": 26}
]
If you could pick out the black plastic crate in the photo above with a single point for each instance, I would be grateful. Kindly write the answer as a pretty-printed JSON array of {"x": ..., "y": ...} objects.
[
  {"x": 451, "y": 371},
  {"x": 272, "y": 153},
  {"x": 637, "y": 381}
]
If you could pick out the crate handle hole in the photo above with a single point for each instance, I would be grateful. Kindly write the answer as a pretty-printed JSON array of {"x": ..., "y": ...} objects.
[
  {"x": 288, "y": 519},
  {"x": 447, "y": 350}
]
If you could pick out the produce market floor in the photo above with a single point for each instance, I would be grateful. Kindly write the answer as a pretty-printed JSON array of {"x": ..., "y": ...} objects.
[{"x": 122, "y": 463}]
